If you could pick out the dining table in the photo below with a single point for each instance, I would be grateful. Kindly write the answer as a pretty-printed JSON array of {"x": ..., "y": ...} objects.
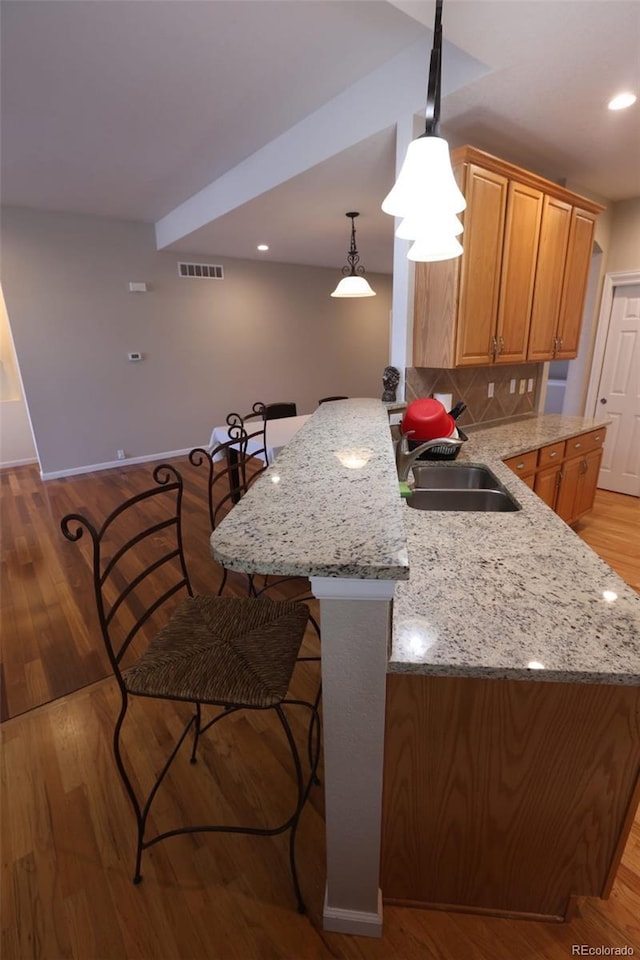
[{"x": 278, "y": 433}]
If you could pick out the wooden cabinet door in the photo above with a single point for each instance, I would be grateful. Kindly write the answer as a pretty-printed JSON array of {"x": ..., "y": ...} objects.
[
  {"x": 522, "y": 234},
  {"x": 546, "y": 484},
  {"x": 552, "y": 254},
  {"x": 588, "y": 482},
  {"x": 575, "y": 283},
  {"x": 568, "y": 489},
  {"x": 486, "y": 196}
]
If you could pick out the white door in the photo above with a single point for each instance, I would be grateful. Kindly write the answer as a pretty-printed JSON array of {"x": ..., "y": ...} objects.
[{"x": 619, "y": 394}]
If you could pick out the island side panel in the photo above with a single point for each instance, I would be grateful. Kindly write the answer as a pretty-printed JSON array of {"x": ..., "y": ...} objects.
[{"x": 504, "y": 796}]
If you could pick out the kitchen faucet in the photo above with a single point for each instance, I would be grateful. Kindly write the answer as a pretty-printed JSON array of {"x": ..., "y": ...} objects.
[{"x": 405, "y": 458}]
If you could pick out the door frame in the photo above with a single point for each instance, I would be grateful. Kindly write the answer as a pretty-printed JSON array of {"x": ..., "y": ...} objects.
[{"x": 622, "y": 278}]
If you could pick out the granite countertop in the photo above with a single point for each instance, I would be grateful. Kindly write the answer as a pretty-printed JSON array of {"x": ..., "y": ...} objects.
[
  {"x": 503, "y": 595},
  {"x": 512, "y": 595},
  {"x": 327, "y": 507}
]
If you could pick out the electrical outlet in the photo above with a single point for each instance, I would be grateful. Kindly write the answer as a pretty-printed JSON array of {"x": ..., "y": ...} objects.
[
  {"x": 120, "y": 454},
  {"x": 523, "y": 386},
  {"x": 490, "y": 389},
  {"x": 530, "y": 385},
  {"x": 512, "y": 386}
]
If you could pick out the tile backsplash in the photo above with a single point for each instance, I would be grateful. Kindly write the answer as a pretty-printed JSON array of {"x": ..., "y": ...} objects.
[{"x": 471, "y": 385}]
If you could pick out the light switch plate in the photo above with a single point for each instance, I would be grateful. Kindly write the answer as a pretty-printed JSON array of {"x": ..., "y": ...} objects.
[
  {"x": 530, "y": 385},
  {"x": 490, "y": 389},
  {"x": 512, "y": 386},
  {"x": 523, "y": 386}
]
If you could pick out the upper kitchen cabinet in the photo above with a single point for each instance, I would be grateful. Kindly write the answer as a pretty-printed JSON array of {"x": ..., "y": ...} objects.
[
  {"x": 518, "y": 290},
  {"x": 566, "y": 242}
]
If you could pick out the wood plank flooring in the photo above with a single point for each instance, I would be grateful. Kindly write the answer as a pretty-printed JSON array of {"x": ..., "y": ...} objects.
[
  {"x": 67, "y": 830},
  {"x": 68, "y": 848},
  {"x": 50, "y": 640},
  {"x": 612, "y": 529}
]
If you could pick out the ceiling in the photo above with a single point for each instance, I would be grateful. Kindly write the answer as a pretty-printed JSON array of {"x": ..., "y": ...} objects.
[{"x": 229, "y": 123}]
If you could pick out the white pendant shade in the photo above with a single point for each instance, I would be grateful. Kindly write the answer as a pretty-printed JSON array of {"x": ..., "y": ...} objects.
[
  {"x": 429, "y": 228},
  {"x": 443, "y": 248},
  {"x": 426, "y": 183},
  {"x": 353, "y": 287}
]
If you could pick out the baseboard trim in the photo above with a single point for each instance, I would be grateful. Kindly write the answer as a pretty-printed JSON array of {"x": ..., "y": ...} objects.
[
  {"x": 17, "y": 463},
  {"x": 110, "y": 464},
  {"x": 359, "y": 923},
  {"x": 476, "y": 910}
]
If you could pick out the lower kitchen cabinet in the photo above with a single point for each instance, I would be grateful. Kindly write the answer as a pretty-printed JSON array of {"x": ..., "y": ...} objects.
[
  {"x": 506, "y": 797},
  {"x": 546, "y": 483},
  {"x": 564, "y": 474},
  {"x": 577, "y": 487}
]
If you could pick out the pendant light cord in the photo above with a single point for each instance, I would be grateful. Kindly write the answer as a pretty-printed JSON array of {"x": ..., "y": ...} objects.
[{"x": 432, "y": 115}]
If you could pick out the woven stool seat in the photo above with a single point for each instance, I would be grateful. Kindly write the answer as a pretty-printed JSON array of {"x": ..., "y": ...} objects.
[{"x": 223, "y": 650}]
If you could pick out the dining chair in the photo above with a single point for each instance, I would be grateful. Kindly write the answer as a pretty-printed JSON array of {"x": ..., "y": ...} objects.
[
  {"x": 235, "y": 654},
  {"x": 327, "y": 399},
  {"x": 231, "y": 470},
  {"x": 276, "y": 411}
]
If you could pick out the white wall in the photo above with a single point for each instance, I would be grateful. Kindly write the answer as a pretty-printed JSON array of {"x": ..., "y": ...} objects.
[
  {"x": 267, "y": 332},
  {"x": 624, "y": 251}
]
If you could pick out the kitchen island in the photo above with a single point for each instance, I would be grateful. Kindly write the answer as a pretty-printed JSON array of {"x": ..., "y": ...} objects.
[
  {"x": 493, "y": 602},
  {"x": 505, "y": 794}
]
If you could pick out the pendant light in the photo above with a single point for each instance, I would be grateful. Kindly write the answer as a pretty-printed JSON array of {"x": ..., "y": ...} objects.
[
  {"x": 426, "y": 194},
  {"x": 353, "y": 283}
]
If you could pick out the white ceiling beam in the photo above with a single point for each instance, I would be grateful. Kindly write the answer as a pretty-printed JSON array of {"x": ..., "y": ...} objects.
[{"x": 393, "y": 91}]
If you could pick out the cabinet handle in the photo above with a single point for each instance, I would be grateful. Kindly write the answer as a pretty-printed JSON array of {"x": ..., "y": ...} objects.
[
  {"x": 577, "y": 446},
  {"x": 555, "y": 345},
  {"x": 596, "y": 439},
  {"x": 560, "y": 342},
  {"x": 494, "y": 348},
  {"x": 554, "y": 453},
  {"x": 519, "y": 466},
  {"x": 500, "y": 346}
]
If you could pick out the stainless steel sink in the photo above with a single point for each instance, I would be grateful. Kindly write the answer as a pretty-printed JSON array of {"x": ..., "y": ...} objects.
[
  {"x": 459, "y": 487},
  {"x": 455, "y": 477},
  {"x": 479, "y": 500}
]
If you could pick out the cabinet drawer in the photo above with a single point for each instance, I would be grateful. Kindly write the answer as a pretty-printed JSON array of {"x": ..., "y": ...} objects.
[
  {"x": 524, "y": 464},
  {"x": 552, "y": 453},
  {"x": 585, "y": 443}
]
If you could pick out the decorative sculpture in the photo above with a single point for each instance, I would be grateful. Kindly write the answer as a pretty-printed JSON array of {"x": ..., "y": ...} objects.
[{"x": 390, "y": 381}]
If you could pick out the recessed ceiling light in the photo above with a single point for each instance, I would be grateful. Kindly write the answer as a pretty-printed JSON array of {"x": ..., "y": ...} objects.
[
  {"x": 263, "y": 246},
  {"x": 622, "y": 100}
]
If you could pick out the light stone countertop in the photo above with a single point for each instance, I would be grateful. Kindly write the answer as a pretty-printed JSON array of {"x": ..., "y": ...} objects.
[
  {"x": 486, "y": 594},
  {"x": 490, "y": 594},
  {"x": 327, "y": 507}
]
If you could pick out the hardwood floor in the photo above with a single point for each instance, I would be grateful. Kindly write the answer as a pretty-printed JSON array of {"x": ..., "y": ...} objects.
[
  {"x": 50, "y": 640},
  {"x": 612, "y": 529},
  {"x": 68, "y": 848},
  {"x": 68, "y": 832}
]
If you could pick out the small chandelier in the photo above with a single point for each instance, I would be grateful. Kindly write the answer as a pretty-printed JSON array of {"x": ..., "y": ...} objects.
[
  {"x": 353, "y": 283},
  {"x": 426, "y": 194}
]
